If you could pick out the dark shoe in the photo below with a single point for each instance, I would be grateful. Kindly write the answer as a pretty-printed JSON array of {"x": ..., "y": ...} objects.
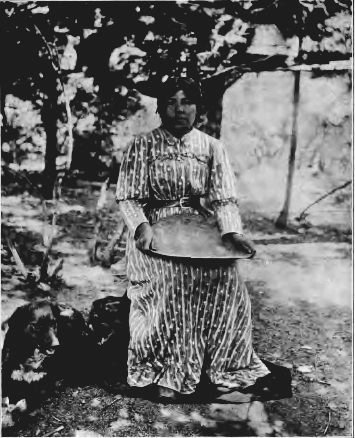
[{"x": 273, "y": 386}]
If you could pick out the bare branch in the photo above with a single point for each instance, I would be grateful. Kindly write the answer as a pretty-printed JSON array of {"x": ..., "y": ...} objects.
[
  {"x": 17, "y": 258},
  {"x": 57, "y": 268},
  {"x": 328, "y": 424},
  {"x": 47, "y": 47},
  {"x": 70, "y": 130},
  {"x": 48, "y": 242},
  {"x": 115, "y": 240},
  {"x": 95, "y": 241},
  {"x": 303, "y": 213}
]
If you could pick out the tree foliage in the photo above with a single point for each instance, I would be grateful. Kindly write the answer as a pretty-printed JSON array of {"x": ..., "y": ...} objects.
[
  {"x": 124, "y": 46},
  {"x": 120, "y": 43}
]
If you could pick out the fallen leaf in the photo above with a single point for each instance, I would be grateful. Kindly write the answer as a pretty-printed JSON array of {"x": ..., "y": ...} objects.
[
  {"x": 288, "y": 365},
  {"x": 45, "y": 287},
  {"x": 159, "y": 426},
  {"x": 53, "y": 432},
  {"x": 67, "y": 312},
  {"x": 95, "y": 403},
  {"x": 119, "y": 424},
  {"x": 138, "y": 417},
  {"x": 305, "y": 369},
  {"x": 332, "y": 406},
  {"x": 123, "y": 413},
  {"x": 21, "y": 405},
  {"x": 86, "y": 433},
  {"x": 306, "y": 347}
]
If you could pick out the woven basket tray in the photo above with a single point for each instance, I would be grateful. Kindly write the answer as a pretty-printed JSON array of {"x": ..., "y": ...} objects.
[{"x": 192, "y": 237}]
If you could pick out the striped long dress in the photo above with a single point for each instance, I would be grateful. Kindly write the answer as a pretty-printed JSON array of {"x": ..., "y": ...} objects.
[{"x": 183, "y": 313}]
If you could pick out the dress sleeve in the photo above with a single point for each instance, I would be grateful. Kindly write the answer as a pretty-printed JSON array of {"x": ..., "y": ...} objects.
[
  {"x": 223, "y": 191},
  {"x": 132, "y": 185}
]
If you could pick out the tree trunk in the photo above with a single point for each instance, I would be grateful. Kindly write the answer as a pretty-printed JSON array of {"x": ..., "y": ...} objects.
[
  {"x": 212, "y": 122},
  {"x": 49, "y": 119},
  {"x": 2, "y": 103},
  {"x": 4, "y": 121},
  {"x": 281, "y": 221},
  {"x": 213, "y": 91}
]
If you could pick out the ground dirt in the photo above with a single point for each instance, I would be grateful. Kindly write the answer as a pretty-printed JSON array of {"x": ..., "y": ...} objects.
[{"x": 300, "y": 287}]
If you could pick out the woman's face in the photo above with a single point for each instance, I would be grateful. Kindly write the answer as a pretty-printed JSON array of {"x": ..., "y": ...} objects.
[{"x": 179, "y": 114}]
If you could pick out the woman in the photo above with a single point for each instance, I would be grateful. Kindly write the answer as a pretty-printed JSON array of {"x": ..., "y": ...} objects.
[{"x": 183, "y": 316}]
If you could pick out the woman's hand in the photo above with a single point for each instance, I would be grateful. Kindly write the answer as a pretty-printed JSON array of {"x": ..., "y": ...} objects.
[
  {"x": 239, "y": 242},
  {"x": 144, "y": 237}
]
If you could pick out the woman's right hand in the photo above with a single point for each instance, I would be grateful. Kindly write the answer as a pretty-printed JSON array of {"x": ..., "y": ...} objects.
[{"x": 144, "y": 237}]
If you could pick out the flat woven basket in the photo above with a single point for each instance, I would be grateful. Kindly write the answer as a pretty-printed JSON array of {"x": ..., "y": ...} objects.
[{"x": 192, "y": 237}]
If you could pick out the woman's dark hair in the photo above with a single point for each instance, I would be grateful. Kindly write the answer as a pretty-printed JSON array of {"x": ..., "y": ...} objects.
[{"x": 189, "y": 86}]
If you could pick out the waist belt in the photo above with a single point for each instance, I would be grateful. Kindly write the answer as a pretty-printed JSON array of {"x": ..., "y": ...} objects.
[{"x": 184, "y": 202}]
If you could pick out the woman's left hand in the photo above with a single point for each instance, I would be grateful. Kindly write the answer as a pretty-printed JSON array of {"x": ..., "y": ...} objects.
[{"x": 239, "y": 242}]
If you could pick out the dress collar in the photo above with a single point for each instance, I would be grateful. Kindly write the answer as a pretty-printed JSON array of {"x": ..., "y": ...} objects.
[{"x": 185, "y": 137}]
